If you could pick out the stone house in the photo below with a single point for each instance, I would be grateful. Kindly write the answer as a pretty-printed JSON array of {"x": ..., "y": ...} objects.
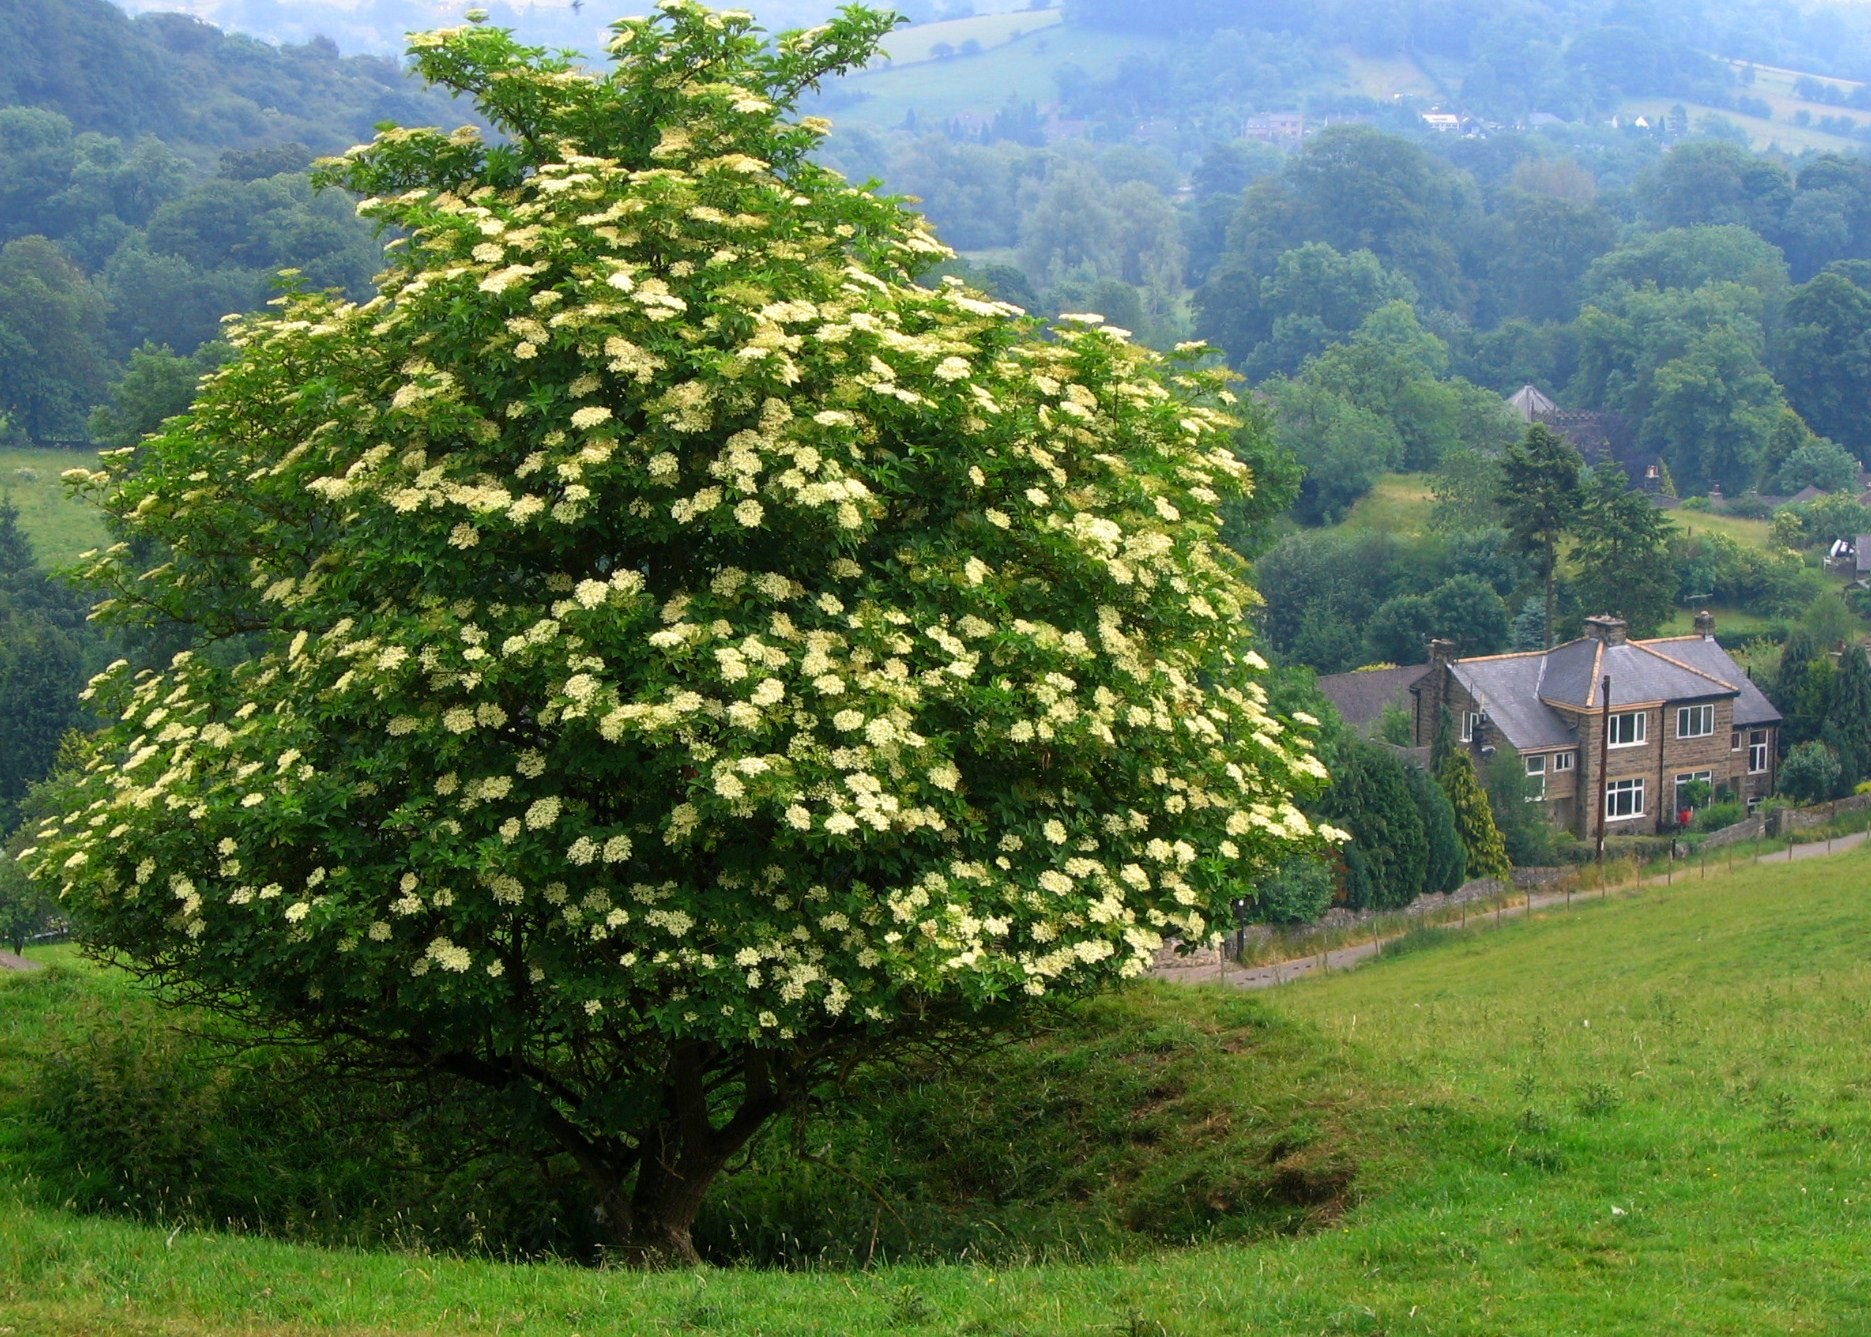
[{"x": 1681, "y": 710}]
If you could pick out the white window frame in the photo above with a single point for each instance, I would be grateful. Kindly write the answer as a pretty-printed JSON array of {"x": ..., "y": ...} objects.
[
  {"x": 1734, "y": 740},
  {"x": 1640, "y": 730},
  {"x": 1690, "y": 777},
  {"x": 1536, "y": 767},
  {"x": 1471, "y": 721},
  {"x": 1562, "y": 761},
  {"x": 1703, "y": 715},
  {"x": 1619, "y": 791},
  {"x": 1758, "y": 761}
]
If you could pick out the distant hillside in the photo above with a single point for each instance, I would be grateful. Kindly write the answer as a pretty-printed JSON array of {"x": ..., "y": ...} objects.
[{"x": 194, "y": 86}]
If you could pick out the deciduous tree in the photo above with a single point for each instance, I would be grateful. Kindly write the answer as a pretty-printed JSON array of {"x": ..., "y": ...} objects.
[{"x": 685, "y": 657}]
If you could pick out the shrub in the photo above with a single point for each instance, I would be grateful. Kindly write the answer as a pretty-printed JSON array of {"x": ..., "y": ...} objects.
[
  {"x": 133, "y": 1113},
  {"x": 1749, "y": 507},
  {"x": 1298, "y": 894},
  {"x": 1811, "y": 773},
  {"x": 1718, "y": 816}
]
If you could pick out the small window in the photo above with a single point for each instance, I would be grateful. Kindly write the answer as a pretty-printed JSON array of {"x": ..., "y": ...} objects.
[
  {"x": 1734, "y": 740},
  {"x": 1536, "y": 779},
  {"x": 1562, "y": 761},
  {"x": 1695, "y": 721},
  {"x": 1624, "y": 799},
  {"x": 1630, "y": 729},
  {"x": 1757, "y": 752},
  {"x": 1471, "y": 725}
]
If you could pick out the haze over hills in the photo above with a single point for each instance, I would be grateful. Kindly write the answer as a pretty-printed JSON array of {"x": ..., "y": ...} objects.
[{"x": 379, "y": 26}]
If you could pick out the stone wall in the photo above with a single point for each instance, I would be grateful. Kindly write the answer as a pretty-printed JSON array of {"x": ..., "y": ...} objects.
[
  {"x": 1786, "y": 820},
  {"x": 1753, "y": 828}
]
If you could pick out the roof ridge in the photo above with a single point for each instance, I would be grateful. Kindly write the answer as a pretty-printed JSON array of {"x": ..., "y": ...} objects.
[{"x": 1505, "y": 654}]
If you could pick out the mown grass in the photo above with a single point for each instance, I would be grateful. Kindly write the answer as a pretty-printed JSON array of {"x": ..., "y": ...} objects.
[
  {"x": 1647, "y": 1114},
  {"x": 58, "y": 525}
]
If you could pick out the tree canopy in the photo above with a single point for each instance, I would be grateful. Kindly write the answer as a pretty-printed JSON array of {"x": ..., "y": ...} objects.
[{"x": 663, "y": 653}]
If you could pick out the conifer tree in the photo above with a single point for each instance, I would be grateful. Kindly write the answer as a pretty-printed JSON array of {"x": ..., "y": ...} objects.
[
  {"x": 1848, "y": 715},
  {"x": 1447, "y": 867},
  {"x": 1474, "y": 820}
]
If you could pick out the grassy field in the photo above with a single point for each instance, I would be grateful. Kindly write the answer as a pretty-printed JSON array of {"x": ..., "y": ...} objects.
[
  {"x": 1643, "y": 1115},
  {"x": 907, "y": 46},
  {"x": 1763, "y": 132},
  {"x": 1401, "y": 504},
  {"x": 1748, "y": 533},
  {"x": 1397, "y": 504},
  {"x": 982, "y": 83},
  {"x": 59, "y": 527}
]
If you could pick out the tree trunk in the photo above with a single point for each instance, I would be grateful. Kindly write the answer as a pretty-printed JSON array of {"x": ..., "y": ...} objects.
[
  {"x": 679, "y": 1158},
  {"x": 668, "y": 1195}
]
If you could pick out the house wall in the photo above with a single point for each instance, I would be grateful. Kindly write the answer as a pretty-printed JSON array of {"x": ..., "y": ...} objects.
[
  {"x": 1659, "y": 761},
  {"x": 1572, "y": 801}
]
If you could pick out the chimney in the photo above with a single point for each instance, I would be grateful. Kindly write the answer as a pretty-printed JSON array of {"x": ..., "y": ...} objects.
[
  {"x": 1705, "y": 625},
  {"x": 1441, "y": 652},
  {"x": 1611, "y": 630}
]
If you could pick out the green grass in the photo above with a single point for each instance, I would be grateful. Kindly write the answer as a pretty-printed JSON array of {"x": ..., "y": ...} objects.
[
  {"x": 907, "y": 46},
  {"x": 1748, "y": 533},
  {"x": 1382, "y": 76},
  {"x": 1398, "y": 504},
  {"x": 59, "y": 526},
  {"x": 1647, "y": 1114},
  {"x": 981, "y": 84},
  {"x": 1402, "y": 503},
  {"x": 1763, "y": 132}
]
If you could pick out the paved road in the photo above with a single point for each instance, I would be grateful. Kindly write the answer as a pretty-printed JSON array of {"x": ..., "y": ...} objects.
[{"x": 1285, "y": 972}]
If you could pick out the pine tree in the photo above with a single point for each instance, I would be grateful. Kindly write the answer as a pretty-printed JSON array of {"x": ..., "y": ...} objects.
[
  {"x": 1474, "y": 820},
  {"x": 1540, "y": 495}
]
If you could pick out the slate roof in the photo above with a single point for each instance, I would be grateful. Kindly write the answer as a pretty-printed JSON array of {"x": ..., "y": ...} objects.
[
  {"x": 1508, "y": 688},
  {"x": 1752, "y": 708},
  {"x": 1361, "y": 697},
  {"x": 1520, "y": 691}
]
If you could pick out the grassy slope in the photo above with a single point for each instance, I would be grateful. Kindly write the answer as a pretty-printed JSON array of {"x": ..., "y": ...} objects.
[
  {"x": 1022, "y": 56},
  {"x": 1634, "y": 1117},
  {"x": 910, "y": 45},
  {"x": 59, "y": 527},
  {"x": 1401, "y": 504},
  {"x": 982, "y": 84}
]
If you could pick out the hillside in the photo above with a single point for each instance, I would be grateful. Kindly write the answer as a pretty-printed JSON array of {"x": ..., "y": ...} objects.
[
  {"x": 58, "y": 526},
  {"x": 195, "y": 86},
  {"x": 1518, "y": 1099}
]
